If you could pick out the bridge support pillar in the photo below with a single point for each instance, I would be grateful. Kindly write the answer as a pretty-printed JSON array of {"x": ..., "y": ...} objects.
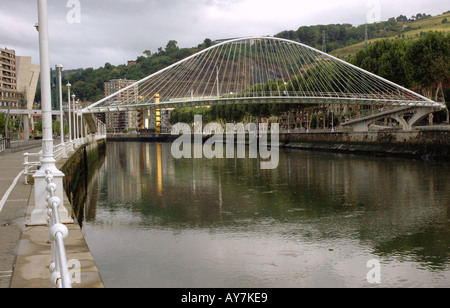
[
  {"x": 419, "y": 114},
  {"x": 361, "y": 127},
  {"x": 151, "y": 120},
  {"x": 405, "y": 125},
  {"x": 398, "y": 115},
  {"x": 146, "y": 119},
  {"x": 26, "y": 127}
]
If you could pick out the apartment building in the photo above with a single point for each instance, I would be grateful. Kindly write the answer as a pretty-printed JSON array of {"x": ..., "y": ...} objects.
[
  {"x": 18, "y": 80},
  {"x": 121, "y": 121},
  {"x": 27, "y": 79},
  {"x": 9, "y": 96}
]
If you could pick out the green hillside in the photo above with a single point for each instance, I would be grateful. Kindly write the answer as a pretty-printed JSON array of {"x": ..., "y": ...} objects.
[{"x": 410, "y": 30}]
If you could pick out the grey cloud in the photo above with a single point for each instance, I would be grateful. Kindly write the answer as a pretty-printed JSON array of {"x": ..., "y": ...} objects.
[{"x": 119, "y": 30}]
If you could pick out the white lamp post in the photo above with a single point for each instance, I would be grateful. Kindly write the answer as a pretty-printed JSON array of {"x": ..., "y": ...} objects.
[
  {"x": 82, "y": 135},
  {"x": 39, "y": 214},
  {"x": 69, "y": 117},
  {"x": 78, "y": 124},
  {"x": 75, "y": 136},
  {"x": 59, "y": 69}
]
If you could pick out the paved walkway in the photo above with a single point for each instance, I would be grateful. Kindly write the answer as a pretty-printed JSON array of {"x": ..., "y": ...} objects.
[
  {"x": 24, "y": 250},
  {"x": 13, "y": 206}
]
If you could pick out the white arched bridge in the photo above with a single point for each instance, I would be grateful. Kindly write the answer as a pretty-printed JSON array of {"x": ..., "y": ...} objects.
[{"x": 260, "y": 70}]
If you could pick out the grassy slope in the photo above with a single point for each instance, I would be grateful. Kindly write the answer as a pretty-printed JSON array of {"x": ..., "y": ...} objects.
[{"x": 416, "y": 27}]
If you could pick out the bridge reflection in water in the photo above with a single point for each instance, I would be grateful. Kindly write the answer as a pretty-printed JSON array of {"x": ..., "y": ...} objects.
[{"x": 315, "y": 221}]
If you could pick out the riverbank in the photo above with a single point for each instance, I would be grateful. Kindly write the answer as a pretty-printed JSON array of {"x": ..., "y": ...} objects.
[
  {"x": 415, "y": 144},
  {"x": 25, "y": 252},
  {"x": 78, "y": 170},
  {"x": 418, "y": 144}
]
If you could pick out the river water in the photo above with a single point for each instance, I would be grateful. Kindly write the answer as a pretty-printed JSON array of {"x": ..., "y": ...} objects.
[{"x": 318, "y": 220}]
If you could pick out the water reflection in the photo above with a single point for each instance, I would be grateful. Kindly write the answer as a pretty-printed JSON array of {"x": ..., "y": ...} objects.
[{"x": 312, "y": 205}]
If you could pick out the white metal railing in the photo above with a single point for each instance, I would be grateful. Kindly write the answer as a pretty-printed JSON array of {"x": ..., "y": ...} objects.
[
  {"x": 32, "y": 165},
  {"x": 4, "y": 144},
  {"x": 60, "y": 276},
  {"x": 58, "y": 150}
]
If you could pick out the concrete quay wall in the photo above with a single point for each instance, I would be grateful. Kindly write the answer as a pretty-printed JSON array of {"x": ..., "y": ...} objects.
[
  {"x": 415, "y": 144},
  {"x": 432, "y": 143}
]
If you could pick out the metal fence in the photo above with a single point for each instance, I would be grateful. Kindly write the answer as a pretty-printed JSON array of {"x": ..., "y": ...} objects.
[
  {"x": 4, "y": 144},
  {"x": 60, "y": 276}
]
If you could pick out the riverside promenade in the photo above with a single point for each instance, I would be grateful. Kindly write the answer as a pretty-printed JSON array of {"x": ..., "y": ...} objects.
[{"x": 25, "y": 252}]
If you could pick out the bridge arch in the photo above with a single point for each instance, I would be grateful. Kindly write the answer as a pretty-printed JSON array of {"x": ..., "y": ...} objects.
[{"x": 260, "y": 70}]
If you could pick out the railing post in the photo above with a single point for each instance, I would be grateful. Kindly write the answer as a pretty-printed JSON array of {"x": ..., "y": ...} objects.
[
  {"x": 58, "y": 267},
  {"x": 25, "y": 156}
]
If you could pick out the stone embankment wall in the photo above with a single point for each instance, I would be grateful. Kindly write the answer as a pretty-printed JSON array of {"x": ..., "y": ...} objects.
[
  {"x": 78, "y": 169},
  {"x": 417, "y": 144},
  {"x": 428, "y": 144}
]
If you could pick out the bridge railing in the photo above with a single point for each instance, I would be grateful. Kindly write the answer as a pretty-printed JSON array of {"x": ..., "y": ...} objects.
[
  {"x": 60, "y": 276},
  {"x": 4, "y": 144}
]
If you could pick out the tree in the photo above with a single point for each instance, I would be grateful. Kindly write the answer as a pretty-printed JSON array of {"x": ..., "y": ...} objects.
[
  {"x": 2, "y": 123},
  {"x": 402, "y": 18},
  {"x": 387, "y": 59},
  {"x": 38, "y": 126},
  {"x": 172, "y": 47},
  {"x": 207, "y": 43},
  {"x": 147, "y": 53},
  {"x": 429, "y": 61}
]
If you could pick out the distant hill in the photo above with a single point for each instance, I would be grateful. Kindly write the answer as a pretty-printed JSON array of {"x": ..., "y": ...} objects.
[
  {"x": 344, "y": 40},
  {"x": 408, "y": 30}
]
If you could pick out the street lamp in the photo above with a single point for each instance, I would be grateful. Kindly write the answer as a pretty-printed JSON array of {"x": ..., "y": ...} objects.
[
  {"x": 69, "y": 117},
  {"x": 75, "y": 131},
  {"x": 59, "y": 69},
  {"x": 39, "y": 214},
  {"x": 68, "y": 85},
  {"x": 81, "y": 122},
  {"x": 78, "y": 123}
]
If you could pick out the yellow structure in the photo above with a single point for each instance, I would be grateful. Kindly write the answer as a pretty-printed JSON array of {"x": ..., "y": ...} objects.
[
  {"x": 141, "y": 124},
  {"x": 157, "y": 116},
  {"x": 141, "y": 119}
]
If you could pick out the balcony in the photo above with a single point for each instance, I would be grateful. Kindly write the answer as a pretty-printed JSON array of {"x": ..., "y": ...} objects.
[{"x": 7, "y": 68}]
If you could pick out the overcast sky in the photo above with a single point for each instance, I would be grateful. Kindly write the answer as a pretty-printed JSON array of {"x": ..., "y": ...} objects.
[{"x": 89, "y": 33}]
